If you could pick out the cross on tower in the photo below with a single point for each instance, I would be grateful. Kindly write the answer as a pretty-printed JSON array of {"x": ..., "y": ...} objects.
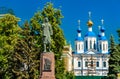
[
  {"x": 78, "y": 23},
  {"x": 102, "y": 21},
  {"x": 99, "y": 27},
  {"x": 89, "y": 13}
]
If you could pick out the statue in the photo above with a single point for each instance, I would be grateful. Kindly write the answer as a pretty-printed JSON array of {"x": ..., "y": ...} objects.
[
  {"x": 47, "y": 65},
  {"x": 47, "y": 32}
]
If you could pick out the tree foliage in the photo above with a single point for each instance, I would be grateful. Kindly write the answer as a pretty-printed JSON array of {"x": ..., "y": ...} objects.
[
  {"x": 9, "y": 30},
  {"x": 26, "y": 55},
  {"x": 69, "y": 75},
  {"x": 114, "y": 60}
]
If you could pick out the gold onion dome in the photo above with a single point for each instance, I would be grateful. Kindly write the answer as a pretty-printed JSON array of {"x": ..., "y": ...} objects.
[{"x": 89, "y": 23}]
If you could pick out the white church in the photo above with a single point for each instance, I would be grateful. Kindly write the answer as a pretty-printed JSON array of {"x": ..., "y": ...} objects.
[{"x": 91, "y": 55}]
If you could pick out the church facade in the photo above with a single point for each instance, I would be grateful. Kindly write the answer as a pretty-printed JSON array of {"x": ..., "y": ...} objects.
[{"x": 91, "y": 55}]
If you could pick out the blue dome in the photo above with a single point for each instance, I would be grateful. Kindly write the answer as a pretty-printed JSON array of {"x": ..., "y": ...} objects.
[
  {"x": 78, "y": 30},
  {"x": 79, "y": 39},
  {"x": 103, "y": 38},
  {"x": 102, "y": 29},
  {"x": 99, "y": 35},
  {"x": 90, "y": 34}
]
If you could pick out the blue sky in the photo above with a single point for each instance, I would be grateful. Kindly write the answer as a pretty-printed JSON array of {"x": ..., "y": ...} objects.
[{"x": 73, "y": 10}]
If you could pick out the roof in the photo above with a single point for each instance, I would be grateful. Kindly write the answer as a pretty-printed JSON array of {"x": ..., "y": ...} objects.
[
  {"x": 103, "y": 38},
  {"x": 90, "y": 34},
  {"x": 79, "y": 39}
]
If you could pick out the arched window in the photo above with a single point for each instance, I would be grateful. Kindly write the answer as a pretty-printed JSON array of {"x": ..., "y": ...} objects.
[
  {"x": 104, "y": 64},
  {"x": 100, "y": 46},
  {"x": 94, "y": 45},
  {"x": 86, "y": 44},
  {"x": 103, "y": 46},
  {"x": 76, "y": 46},
  {"x": 90, "y": 44},
  {"x": 86, "y": 64},
  {"x": 97, "y": 64},
  {"x": 79, "y": 64},
  {"x": 92, "y": 63},
  {"x": 79, "y": 47},
  {"x": 97, "y": 46}
]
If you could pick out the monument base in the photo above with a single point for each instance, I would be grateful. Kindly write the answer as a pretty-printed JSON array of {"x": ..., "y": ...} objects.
[{"x": 49, "y": 72}]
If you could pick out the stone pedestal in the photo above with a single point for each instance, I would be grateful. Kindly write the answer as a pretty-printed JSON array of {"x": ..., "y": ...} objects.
[{"x": 47, "y": 66}]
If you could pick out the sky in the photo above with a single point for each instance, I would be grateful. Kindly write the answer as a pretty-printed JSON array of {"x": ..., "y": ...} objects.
[{"x": 73, "y": 10}]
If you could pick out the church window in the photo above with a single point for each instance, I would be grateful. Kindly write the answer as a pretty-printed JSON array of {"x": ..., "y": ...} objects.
[
  {"x": 104, "y": 64},
  {"x": 86, "y": 64},
  {"x": 94, "y": 45},
  {"x": 103, "y": 46},
  {"x": 86, "y": 44},
  {"x": 100, "y": 46},
  {"x": 97, "y": 64},
  {"x": 90, "y": 44},
  {"x": 91, "y": 63},
  {"x": 79, "y": 63},
  {"x": 79, "y": 46},
  {"x": 76, "y": 46}
]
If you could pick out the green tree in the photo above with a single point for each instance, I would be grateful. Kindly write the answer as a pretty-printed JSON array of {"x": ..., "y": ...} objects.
[
  {"x": 114, "y": 60},
  {"x": 118, "y": 31},
  {"x": 26, "y": 55},
  {"x": 9, "y": 30},
  {"x": 58, "y": 41},
  {"x": 69, "y": 75},
  {"x": 111, "y": 59}
]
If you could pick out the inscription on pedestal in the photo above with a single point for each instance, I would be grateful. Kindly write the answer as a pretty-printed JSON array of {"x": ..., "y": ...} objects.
[{"x": 47, "y": 65}]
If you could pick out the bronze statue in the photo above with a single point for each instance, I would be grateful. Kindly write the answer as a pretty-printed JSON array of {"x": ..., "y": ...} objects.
[{"x": 47, "y": 32}]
